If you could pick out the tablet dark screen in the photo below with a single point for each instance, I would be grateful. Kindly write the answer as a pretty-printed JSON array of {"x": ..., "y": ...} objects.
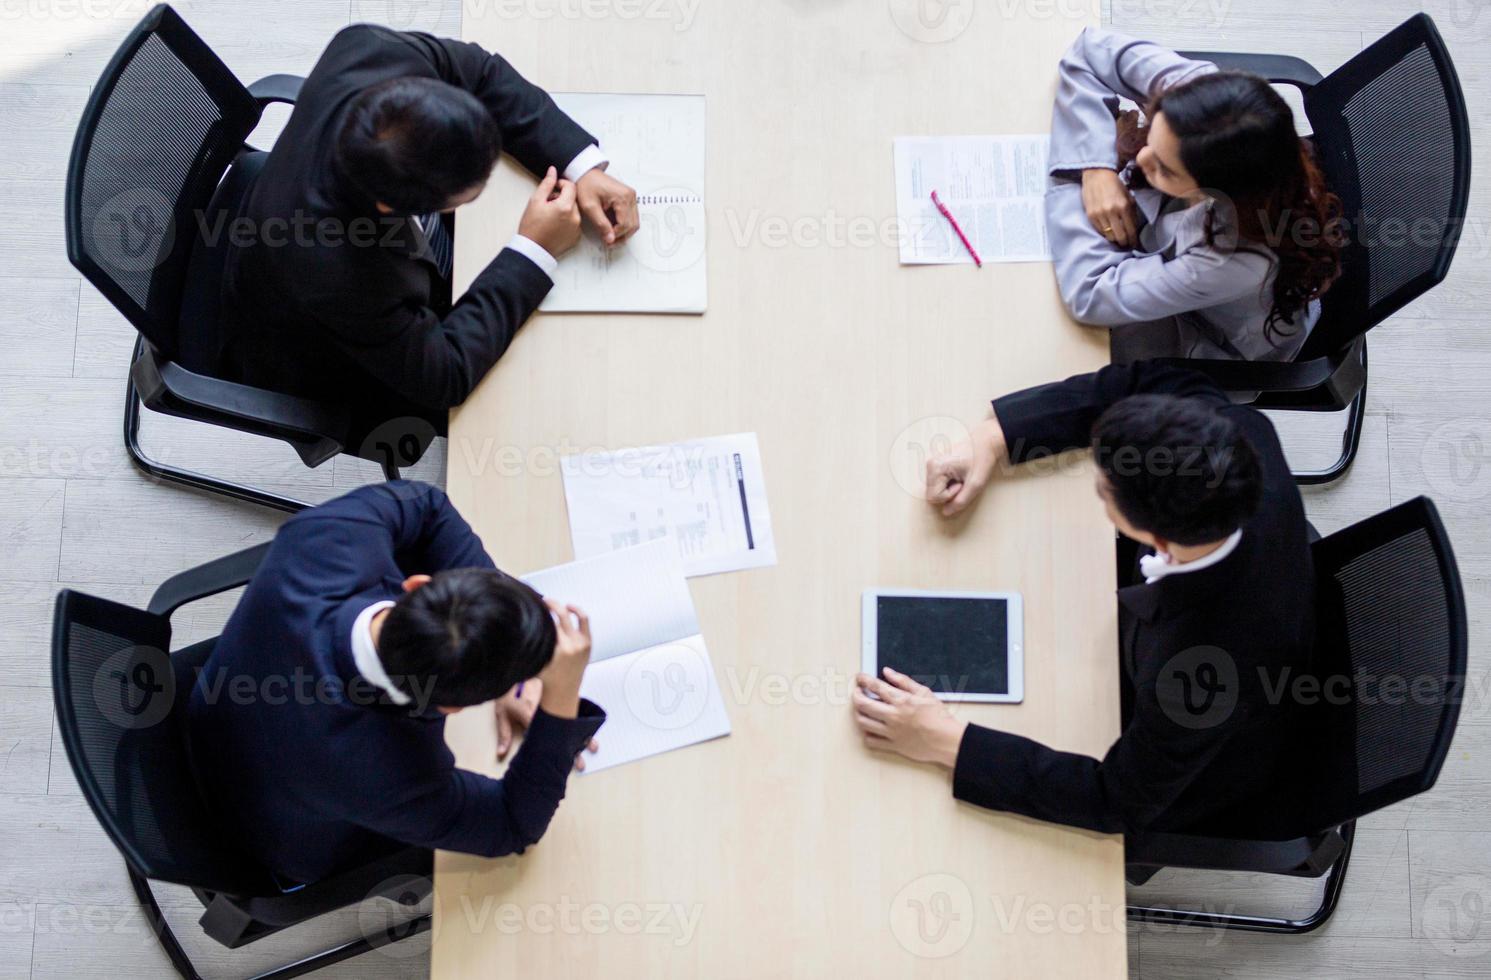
[{"x": 954, "y": 646}]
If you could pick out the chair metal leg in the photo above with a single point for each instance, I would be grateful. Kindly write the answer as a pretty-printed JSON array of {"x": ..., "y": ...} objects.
[
  {"x": 1351, "y": 439},
  {"x": 1335, "y": 880},
  {"x": 299, "y": 968},
  {"x": 189, "y": 478}
]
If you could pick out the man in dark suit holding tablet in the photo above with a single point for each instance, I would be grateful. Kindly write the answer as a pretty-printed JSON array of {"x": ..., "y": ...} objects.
[{"x": 1218, "y": 607}]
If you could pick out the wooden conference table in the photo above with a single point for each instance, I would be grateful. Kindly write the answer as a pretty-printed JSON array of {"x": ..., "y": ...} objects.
[{"x": 787, "y": 849}]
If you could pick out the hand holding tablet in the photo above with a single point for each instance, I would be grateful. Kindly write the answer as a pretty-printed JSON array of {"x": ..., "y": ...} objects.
[{"x": 965, "y": 646}]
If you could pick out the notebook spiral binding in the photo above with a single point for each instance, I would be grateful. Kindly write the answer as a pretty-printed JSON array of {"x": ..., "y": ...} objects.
[{"x": 669, "y": 199}]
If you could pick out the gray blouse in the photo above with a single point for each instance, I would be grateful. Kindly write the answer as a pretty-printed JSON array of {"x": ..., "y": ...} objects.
[{"x": 1175, "y": 295}]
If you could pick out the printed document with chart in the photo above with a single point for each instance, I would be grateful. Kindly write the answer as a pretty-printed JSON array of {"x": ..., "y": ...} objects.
[
  {"x": 649, "y": 668},
  {"x": 706, "y": 496},
  {"x": 995, "y": 186},
  {"x": 656, "y": 146}
]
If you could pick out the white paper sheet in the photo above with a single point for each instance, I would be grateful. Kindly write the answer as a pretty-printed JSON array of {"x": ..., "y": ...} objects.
[
  {"x": 995, "y": 187},
  {"x": 635, "y": 598},
  {"x": 656, "y": 700},
  {"x": 707, "y": 496},
  {"x": 656, "y": 146},
  {"x": 649, "y": 667}
]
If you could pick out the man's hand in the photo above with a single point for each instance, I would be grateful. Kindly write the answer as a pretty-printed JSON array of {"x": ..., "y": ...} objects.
[
  {"x": 609, "y": 205},
  {"x": 561, "y": 678},
  {"x": 955, "y": 479},
  {"x": 552, "y": 218},
  {"x": 1110, "y": 207},
  {"x": 907, "y": 720},
  {"x": 591, "y": 746},
  {"x": 515, "y": 714}
]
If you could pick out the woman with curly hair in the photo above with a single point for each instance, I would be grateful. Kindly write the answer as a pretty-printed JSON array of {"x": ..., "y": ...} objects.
[{"x": 1202, "y": 228}]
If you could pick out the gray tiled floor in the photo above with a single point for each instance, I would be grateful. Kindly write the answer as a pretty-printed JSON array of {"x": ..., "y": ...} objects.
[{"x": 73, "y": 513}]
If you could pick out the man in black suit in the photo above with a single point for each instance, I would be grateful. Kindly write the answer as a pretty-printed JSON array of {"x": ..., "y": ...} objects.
[
  {"x": 338, "y": 273},
  {"x": 1219, "y": 611},
  {"x": 317, "y": 726}
]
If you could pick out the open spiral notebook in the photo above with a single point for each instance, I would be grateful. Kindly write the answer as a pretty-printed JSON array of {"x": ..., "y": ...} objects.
[{"x": 656, "y": 145}]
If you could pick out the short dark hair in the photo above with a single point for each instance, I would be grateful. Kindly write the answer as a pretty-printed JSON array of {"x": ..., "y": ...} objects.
[
  {"x": 466, "y": 637},
  {"x": 1178, "y": 467},
  {"x": 416, "y": 143}
]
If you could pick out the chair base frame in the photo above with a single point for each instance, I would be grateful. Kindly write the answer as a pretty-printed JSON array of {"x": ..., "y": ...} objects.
[
  {"x": 309, "y": 964},
  {"x": 1351, "y": 438},
  {"x": 1335, "y": 880},
  {"x": 159, "y": 471}
]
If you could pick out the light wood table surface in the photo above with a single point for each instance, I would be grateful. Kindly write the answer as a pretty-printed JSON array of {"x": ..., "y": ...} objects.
[{"x": 787, "y": 849}]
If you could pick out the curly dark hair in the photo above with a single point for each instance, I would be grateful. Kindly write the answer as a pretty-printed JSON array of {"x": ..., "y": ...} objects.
[
  {"x": 1177, "y": 467},
  {"x": 1237, "y": 138}
]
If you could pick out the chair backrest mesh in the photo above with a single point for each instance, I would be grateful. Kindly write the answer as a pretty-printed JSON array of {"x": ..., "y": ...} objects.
[
  {"x": 121, "y": 702},
  {"x": 163, "y": 124},
  {"x": 1393, "y": 138},
  {"x": 1392, "y": 624}
]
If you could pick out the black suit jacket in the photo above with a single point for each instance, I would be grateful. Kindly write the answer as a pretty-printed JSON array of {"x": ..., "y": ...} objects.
[
  {"x": 326, "y": 298},
  {"x": 307, "y": 765},
  {"x": 1205, "y": 729}
]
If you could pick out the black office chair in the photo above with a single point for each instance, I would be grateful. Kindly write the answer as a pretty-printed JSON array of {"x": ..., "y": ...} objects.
[
  {"x": 1389, "y": 606},
  {"x": 121, "y": 701},
  {"x": 1392, "y": 137},
  {"x": 159, "y": 159}
]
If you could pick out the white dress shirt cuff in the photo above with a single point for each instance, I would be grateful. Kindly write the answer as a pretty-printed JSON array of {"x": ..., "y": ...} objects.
[
  {"x": 536, "y": 253},
  {"x": 584, "y": 162}
]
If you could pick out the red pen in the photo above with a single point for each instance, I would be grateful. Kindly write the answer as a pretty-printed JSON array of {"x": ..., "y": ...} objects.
[{"x": 954, "y": 222}]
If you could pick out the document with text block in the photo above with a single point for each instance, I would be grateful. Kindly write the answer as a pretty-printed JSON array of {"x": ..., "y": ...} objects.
[
  {"x": 706, "y": 496},
  {"x": 649, "y": 666},
  {"x": 995, "y": 187},
  {"x": 656, "y": 146}
]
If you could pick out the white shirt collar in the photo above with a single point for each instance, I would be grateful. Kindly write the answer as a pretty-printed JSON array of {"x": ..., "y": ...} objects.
[
  {"x": 365, "y": 654},
  {"x": 1157, "y": 566}
]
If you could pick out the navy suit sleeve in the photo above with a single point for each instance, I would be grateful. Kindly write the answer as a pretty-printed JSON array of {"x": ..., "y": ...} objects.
[
  {"x": 1053, "y": 418},
  {"x": 534, "y": 130},
  {"x": 415, "y": 522},
  {"x": 463, "y": 811},
  {"x": 1143, "y": 773}
]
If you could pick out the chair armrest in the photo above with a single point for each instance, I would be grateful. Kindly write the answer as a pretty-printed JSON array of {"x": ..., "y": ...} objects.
[
  {"x": 269, "y": 413},
  {"x": 219, "y": 575},
  {"x": 276, "y": 88},
  {"x": 1294, "y": 856},
  {"x": 1261, "y": 376},
  {"x": 1281, "y": 69}
]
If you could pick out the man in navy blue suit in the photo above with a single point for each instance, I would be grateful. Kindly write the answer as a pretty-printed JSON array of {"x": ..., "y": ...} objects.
[{"x": 317, "y": 725}]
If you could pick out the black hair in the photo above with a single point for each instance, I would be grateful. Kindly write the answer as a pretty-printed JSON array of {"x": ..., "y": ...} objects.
[
  {"x": 1237, "y": 137},
  {"x": 466, "y": 637},
  {"x": 1177, "y": 467},
  {"x": 414, "y": 144}
]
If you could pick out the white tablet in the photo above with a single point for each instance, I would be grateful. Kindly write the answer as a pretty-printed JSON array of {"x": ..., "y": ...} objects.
[{"x": 966, "y": 646}]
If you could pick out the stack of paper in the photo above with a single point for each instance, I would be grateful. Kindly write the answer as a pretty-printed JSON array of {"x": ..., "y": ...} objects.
[
  {"x": 656, "y": 146},
  {"x": 706, "y": 496},
  {"x": 649, "y": 667},
  {"x": 995, "y": 187}
]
